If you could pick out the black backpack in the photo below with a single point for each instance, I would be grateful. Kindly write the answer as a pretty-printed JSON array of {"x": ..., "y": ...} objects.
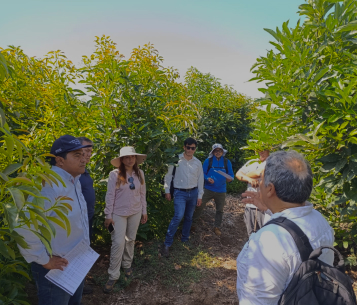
[
  {"x": 210, "y": 162},
  {"x": 315, "y": 282},
  {"x": 172, "y": 182}
]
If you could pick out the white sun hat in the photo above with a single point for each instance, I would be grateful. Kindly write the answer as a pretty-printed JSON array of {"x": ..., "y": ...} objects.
[
  {"x": 214, "y": 146},
  {"x": 128, "y": 151}
]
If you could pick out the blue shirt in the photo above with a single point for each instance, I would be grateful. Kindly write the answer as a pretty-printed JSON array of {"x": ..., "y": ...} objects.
[
  {"x": 78, "y": 218},
  {"x": 220, "y": 184},
  {"x": 88, "y": 192}
]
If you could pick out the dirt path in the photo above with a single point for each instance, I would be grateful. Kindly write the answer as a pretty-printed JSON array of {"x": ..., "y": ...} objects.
[{"x": 217, "y": 284}]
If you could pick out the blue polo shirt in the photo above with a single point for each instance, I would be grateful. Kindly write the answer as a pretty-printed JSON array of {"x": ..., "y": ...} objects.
[
  {"x": 88, "y": 192},
  {"x": 220, "y": 183}
]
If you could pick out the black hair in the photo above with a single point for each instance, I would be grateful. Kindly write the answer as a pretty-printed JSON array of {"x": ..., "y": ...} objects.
[
  {"x": 63, "y": 155},
  {"x": 84, "y": 139},
  {"x": 190, "y": 141}
]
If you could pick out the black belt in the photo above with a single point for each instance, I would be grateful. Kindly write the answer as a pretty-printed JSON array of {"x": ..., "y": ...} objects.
[{"x": 185, "y": 190}]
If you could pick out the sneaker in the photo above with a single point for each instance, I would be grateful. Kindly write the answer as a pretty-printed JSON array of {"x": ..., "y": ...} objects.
[
  {"x": 187, "y": 244},
  {"x": 217, "y": 231},
  {"x": 108, "y": 287},
  {"x": 165, "y": 251},
  {"x": 87, "y": 289},
  {"x": 128, "y": 273}
]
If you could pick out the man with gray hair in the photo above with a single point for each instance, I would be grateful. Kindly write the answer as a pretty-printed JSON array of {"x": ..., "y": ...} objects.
[{"x": 268, "y": 261}]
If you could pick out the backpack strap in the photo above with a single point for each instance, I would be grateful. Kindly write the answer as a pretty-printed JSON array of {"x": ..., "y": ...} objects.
[
  {"x": 301, "y": 240},
  {"x": 225, "y": 164},
  {"x": 210, "y": 162}
]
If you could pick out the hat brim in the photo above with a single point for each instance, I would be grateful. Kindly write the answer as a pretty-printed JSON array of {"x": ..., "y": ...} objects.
[
  {"x": 73, "y": 149},
  {"x": 140, "y": 158},
  {"x": 211, "y": 153}
]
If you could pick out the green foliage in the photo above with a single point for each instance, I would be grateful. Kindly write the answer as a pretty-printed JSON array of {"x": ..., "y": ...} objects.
[{"x": 310, "y": 105}]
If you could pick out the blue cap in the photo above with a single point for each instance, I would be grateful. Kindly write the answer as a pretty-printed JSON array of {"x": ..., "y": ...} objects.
[{"x": 66, "y": 143}]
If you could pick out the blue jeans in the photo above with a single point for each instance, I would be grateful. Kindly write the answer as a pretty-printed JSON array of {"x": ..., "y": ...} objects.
[
  {"x": 184, "y": 203},
  {"x": 50, "y": 294}
]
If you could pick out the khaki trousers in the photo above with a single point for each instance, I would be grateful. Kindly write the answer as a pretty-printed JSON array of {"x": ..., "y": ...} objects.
[{"x": 123, "y": 242}]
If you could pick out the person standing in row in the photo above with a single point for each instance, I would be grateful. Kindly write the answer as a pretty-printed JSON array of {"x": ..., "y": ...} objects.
[
  {"x": 69, "y": 163},
  {"x": 215, "y": 184},
  {"x": 125, "y": 208},
  {"x": 250, "y": 172},
  {"x": 188, "y": 185},
  {"x": 88, "y": 193}
]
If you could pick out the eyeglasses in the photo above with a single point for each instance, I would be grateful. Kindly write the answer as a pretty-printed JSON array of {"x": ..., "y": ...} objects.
[
  {"x": 218, "y": 151},
  {"x": 189, "y": 147},
  {"x": 131, "y": 181}
]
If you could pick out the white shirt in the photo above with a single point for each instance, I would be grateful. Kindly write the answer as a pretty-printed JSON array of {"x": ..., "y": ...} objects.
[
  {"x": 78, "y": 218},
  {"x": 251, "y": 166},
  {"x": 189, "y": 174},
  {"x": 268, "y": 261}
]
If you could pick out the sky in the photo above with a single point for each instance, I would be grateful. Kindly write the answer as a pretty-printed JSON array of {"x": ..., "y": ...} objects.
[{"x": 223, "y": 38}]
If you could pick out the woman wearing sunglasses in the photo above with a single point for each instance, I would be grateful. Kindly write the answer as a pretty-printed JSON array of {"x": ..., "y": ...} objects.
[{"x": 125, "y": 208}]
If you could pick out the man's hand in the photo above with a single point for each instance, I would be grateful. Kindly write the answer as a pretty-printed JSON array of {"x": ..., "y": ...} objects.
[
  {"x": 210, "y": 180},
  {"x": 56, "y": 262},
  {"x": 199, "y": 202},
  {"x": 107, "y": 222},
  {"x": 144, "y": 218},
  {"x": 168, "y": 196},
  {"x": 254, "y": 198},
  {"x": 254, "y": 182}
]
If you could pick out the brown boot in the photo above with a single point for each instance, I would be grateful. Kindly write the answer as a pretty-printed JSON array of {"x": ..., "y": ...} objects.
[
  {"x": 217, "y": 231},
  {"x": 108, "y": 287}
]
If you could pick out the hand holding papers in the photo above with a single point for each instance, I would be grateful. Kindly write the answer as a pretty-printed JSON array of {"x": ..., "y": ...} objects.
[
  {"x": 224, "y": 175},
  {"x": 80, "y": 261}
]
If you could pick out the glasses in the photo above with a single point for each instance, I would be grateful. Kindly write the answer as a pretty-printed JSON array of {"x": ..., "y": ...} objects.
[
  {"x": 216, "y": 151},
  {"x": 189, "y": 147},
  {"x": 131, "y": 181}
]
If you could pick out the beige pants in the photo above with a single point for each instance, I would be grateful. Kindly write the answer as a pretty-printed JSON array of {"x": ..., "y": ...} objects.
[{"x": 123, "y": 242}]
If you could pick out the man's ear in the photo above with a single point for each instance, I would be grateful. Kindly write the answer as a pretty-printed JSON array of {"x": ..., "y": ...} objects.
[
  {"x": 59, "y": 161},
  {"x": 270, "y": 190}
]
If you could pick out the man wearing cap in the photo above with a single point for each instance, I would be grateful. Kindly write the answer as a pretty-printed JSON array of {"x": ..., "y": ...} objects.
[
  {"x": 69, "y": 163},
  {"x": 215, "y": 184},
  {"x": 188, "y": 185},
  {"x": 250, "y": 172}
]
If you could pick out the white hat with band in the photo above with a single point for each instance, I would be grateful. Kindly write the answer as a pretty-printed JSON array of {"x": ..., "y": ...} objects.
[{"x": 128, "y": 151}]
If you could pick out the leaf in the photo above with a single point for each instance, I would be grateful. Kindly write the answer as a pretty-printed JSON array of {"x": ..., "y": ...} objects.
[
  {"x": 44, "y": 241},
  {"x": 57, "y": 221},
  {"x": 2, "y": 118},
  {"x": 11, "y": 168},
  {"x": 10, "y": 212},
  {"x": 65, "y": 220},
  {"x": 21, "y": 180},
  {"x": 352, "y": 26},
  {"x": 17, "y": 196},
  {"x": 321, "y": 74},
  {"x": 271, "y": 32},
  {"x": 345, "y": 244},
  {"x": 3, "y": 250}
]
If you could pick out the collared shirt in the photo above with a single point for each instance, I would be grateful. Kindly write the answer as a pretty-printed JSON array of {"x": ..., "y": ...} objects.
[
  {"x": 220, "y": 182},
  {"x": 78, "y": 218},
  {"x": 268, "y": 261},
  {"x": 189, "y": 174},
  {"x": 88, "y": 192},
  {"x": 123, "y": 201},
  {"x": 251, "y": 166}
]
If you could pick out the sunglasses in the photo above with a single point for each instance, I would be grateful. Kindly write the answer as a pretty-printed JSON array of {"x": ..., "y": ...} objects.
[
  {"x": 132, "y": 185},
  {"x": 189, "y": 147}
]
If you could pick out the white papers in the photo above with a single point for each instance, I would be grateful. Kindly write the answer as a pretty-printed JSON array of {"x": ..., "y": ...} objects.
[
  {"x": 80, "y": 260},
  {"x": 224, "y": 174}
]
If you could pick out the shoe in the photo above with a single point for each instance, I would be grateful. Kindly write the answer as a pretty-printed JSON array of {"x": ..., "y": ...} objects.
[
  {"x": 87, "y": 289},
  {"x": 217, "y": 231},
  {"x": 165, "y": 251},
  {"x": 128, "y": 273},
  {"x": 187, "y": 244},
  {"x": 108, "y": 287}
]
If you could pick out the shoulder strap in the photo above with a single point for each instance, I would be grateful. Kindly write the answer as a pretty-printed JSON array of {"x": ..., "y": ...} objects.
[
  {"x": 225, "y": 164},
  {"x": 210, "y": 162},
  {"x": 174, "y": 170},
  {"x": 301, "y": 240}
]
